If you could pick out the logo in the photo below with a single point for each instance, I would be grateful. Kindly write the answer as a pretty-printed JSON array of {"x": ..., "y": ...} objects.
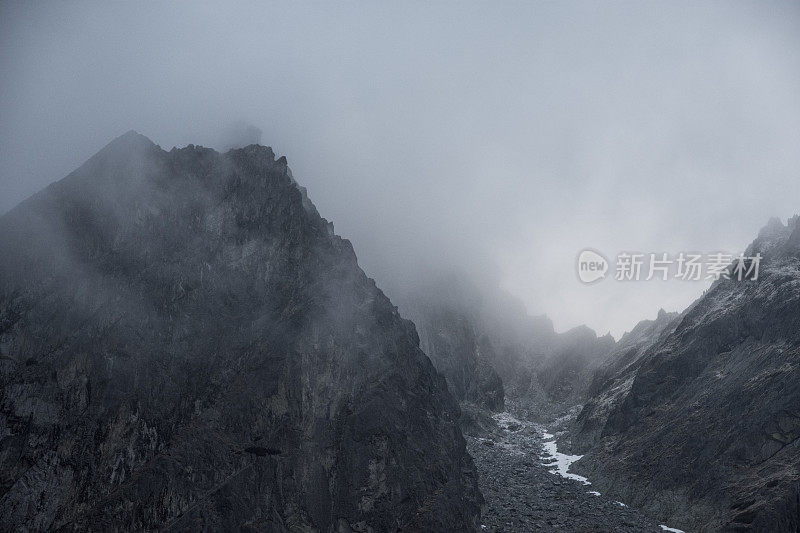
[
  {"x": 591, "y": 266},
  {"x": 687, "y": 266}
]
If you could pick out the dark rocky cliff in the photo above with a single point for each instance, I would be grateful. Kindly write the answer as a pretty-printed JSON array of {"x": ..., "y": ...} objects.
[
  {"x": 706, "y": 434},
  {"x": 610, "y": 383},
  {"x": 185, "y": 344},
  {"x": 451, "y": 341},
  {"x": 562, "y": 377},
  {"x": 446, "y": 314},
  {"x": 483, "y": 340}
]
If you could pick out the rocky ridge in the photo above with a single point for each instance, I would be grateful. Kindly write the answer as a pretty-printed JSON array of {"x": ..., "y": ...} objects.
[
  {"x": 705, "y": 432},
  {"x": 186, "y": 344}
]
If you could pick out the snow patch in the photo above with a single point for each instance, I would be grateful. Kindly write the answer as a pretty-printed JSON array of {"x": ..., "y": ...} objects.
[{"x": 561, "y": 461}]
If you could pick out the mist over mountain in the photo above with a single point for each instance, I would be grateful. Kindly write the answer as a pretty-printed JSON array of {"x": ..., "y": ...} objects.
[
  {"x": 703, "y": 423},
  {"x": 480, "y": 344},
  {"x": 489, "y": 348},
  {"x": 611, "y": 380},
  {"x": 186, "y": 344},
  {"x": 501, "y": 139}
]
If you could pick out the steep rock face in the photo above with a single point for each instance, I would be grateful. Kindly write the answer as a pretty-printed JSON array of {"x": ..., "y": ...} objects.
[
  {"x": 488, "y": 347},
  {"x": 565, "y": 373},
  {"x": 450, "y": 334},
  {"x": 185, "y": 344},
  {"x": 611, "y": 382},
  {"x": 549, "y": 372},
  {"x": 708, "y": 434},
  {"x": 449, "y": 338}
]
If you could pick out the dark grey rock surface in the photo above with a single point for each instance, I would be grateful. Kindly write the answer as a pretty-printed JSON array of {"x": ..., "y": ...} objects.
[
  {"x": 450, "y": 338},
  {"x": 610, "y": 382},
  {"x": 561, "y": 378},
  {"x": 704, "y": 429},
  {"x": 185, "y": 344},
  {"x": 489, "y": 349}
]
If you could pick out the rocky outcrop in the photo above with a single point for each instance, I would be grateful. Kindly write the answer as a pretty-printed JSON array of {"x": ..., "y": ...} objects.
[
  {"x": 186, "y": 344},
  {"x": 611, "y": 382},
  {"x": 563, "y": 375},
  {"x": 450, "y": 333},
  {"x": 707, "y": 432},
  {"x": 449, "y": 338}
]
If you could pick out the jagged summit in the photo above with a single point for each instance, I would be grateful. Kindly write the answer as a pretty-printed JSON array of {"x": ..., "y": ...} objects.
[
  {"x": 776, "y": 240},
  {"x": 134, "y": 143},
  {"x": 185, "y": 344},
  {"x": 581, "y": 331}
]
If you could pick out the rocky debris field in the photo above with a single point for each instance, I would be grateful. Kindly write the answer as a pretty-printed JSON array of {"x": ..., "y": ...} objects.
[{"x": 523, "y": 494}]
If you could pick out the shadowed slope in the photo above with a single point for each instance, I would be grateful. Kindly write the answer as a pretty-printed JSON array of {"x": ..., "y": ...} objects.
[
  {"x": 185, "y": 343},
  {"x": 707, "y": 432}
]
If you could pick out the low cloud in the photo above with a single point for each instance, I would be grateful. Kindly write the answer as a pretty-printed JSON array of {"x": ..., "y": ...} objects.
[{"x": 499, "y": 140}]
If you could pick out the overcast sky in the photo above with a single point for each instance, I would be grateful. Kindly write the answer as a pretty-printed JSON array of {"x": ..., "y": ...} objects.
[{"x": 499, "y": 137}]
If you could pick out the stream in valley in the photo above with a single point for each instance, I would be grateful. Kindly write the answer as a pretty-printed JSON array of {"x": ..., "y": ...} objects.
[{"x": 528, "y": 486}]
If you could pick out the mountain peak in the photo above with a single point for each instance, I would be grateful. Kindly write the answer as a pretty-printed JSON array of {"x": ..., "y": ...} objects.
[
  {"x": 773, "y": 226},
  {"x": 776, "y": 240},
  {"x": 128, "y": 140},
  {"x": 183, "y": 318}
]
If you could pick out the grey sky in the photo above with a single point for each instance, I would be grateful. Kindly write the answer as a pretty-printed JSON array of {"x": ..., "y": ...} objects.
[{"x": 500, "y": 137}]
